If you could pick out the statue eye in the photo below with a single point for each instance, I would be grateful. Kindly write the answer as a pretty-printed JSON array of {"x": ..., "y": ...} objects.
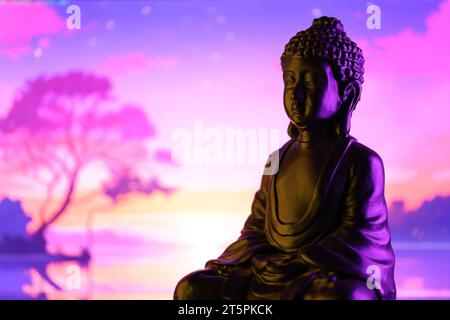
[
  {"x": 289, "y": 80},
  {"x": 313, "y": 79}
]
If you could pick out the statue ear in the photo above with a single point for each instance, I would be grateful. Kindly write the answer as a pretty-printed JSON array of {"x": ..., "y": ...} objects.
[
  {"x": 350, "y": 95},
  {"x": 293, "y": 131}
]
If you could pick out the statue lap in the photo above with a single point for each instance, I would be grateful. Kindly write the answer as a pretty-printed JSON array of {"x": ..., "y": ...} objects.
[{"x": 209, "y": 284}]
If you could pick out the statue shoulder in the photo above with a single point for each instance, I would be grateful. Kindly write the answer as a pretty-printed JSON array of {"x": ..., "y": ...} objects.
[{"x": 365, "y": 160}]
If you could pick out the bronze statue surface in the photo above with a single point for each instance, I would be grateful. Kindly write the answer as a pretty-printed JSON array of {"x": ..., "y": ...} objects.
[{"x": 319, "y": 225}]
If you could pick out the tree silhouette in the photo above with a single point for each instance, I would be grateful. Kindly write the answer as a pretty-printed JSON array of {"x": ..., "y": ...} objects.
[{"x": 59, "y": 125}]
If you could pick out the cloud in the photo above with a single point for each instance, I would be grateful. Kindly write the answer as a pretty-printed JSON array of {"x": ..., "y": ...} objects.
[
  {"x": 398, "y": 174},
  {"x": 442, "y": 175},
  {"x": 414, "y": 53},
  {"x": 44, "y": 42},
  {"x": 7, "y": 94},
  {"x": 134, "y": 63},
  {"x": 404, "y": 109},
  {"x": 21, "y": 23}
]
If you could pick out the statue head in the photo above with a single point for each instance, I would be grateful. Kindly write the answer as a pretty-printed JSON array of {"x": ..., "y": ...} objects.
[{"x": 322, "y": 72}]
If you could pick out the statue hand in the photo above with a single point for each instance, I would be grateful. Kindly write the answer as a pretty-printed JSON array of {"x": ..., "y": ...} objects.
[
  {"x": 288, "y": 262},
  {"x": 221, "y": 269},
  {"x": 282, "y": 258}
]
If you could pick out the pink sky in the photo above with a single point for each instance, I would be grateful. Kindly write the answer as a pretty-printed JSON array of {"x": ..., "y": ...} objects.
[
  {"x": 134, "y": 62},
  {"x": 405, "y": 107},
  {"x": 235, "y": 83},
  {"x": 20, "y": 23}
]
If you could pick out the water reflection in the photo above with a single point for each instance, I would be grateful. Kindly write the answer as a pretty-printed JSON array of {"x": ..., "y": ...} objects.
[
  {"x": 29, "y": 276},
  {"x": 137, "y": 267}
]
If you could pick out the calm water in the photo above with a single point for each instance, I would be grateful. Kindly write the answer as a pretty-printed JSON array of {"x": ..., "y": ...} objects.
[{"x": 148, "y": 267}]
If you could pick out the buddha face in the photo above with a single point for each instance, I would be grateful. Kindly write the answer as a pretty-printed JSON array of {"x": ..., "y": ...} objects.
[{"x": 311, "y": 92}]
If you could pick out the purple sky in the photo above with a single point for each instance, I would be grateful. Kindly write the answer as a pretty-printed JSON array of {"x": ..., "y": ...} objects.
[{"x": 218, "y": 63}]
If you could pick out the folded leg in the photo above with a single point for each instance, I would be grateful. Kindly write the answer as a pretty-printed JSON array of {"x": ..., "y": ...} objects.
[
  {"x": 205, "y": 284},
  {"x": 329, "y": 286}
]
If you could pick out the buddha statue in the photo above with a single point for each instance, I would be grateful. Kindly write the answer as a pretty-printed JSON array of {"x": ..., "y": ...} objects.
[{"x": 319, "y": 225}]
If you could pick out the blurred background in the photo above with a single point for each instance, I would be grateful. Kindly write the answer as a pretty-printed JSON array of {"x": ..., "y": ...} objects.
[{"x": 116, "y": 116}]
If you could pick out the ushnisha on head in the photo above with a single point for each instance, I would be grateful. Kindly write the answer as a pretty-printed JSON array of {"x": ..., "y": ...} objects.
[{"x": 323, "y": 70}]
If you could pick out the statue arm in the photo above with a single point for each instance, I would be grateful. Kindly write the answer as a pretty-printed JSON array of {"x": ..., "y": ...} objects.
[
  {"x": 363, "y": 237},
  {"x": 252, "y": 239}
]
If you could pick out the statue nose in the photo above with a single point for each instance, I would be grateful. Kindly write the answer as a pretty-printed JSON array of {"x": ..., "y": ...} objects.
[
  {"x": 299, "y": 93},
  {"x": 298, "y": 98}
]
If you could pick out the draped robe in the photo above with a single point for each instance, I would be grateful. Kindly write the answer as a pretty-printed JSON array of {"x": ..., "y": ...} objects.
[{"x": 343, "y": 236}]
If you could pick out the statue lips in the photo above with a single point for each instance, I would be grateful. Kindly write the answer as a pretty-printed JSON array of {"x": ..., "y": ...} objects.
[{"x": 297, "y": 111}]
